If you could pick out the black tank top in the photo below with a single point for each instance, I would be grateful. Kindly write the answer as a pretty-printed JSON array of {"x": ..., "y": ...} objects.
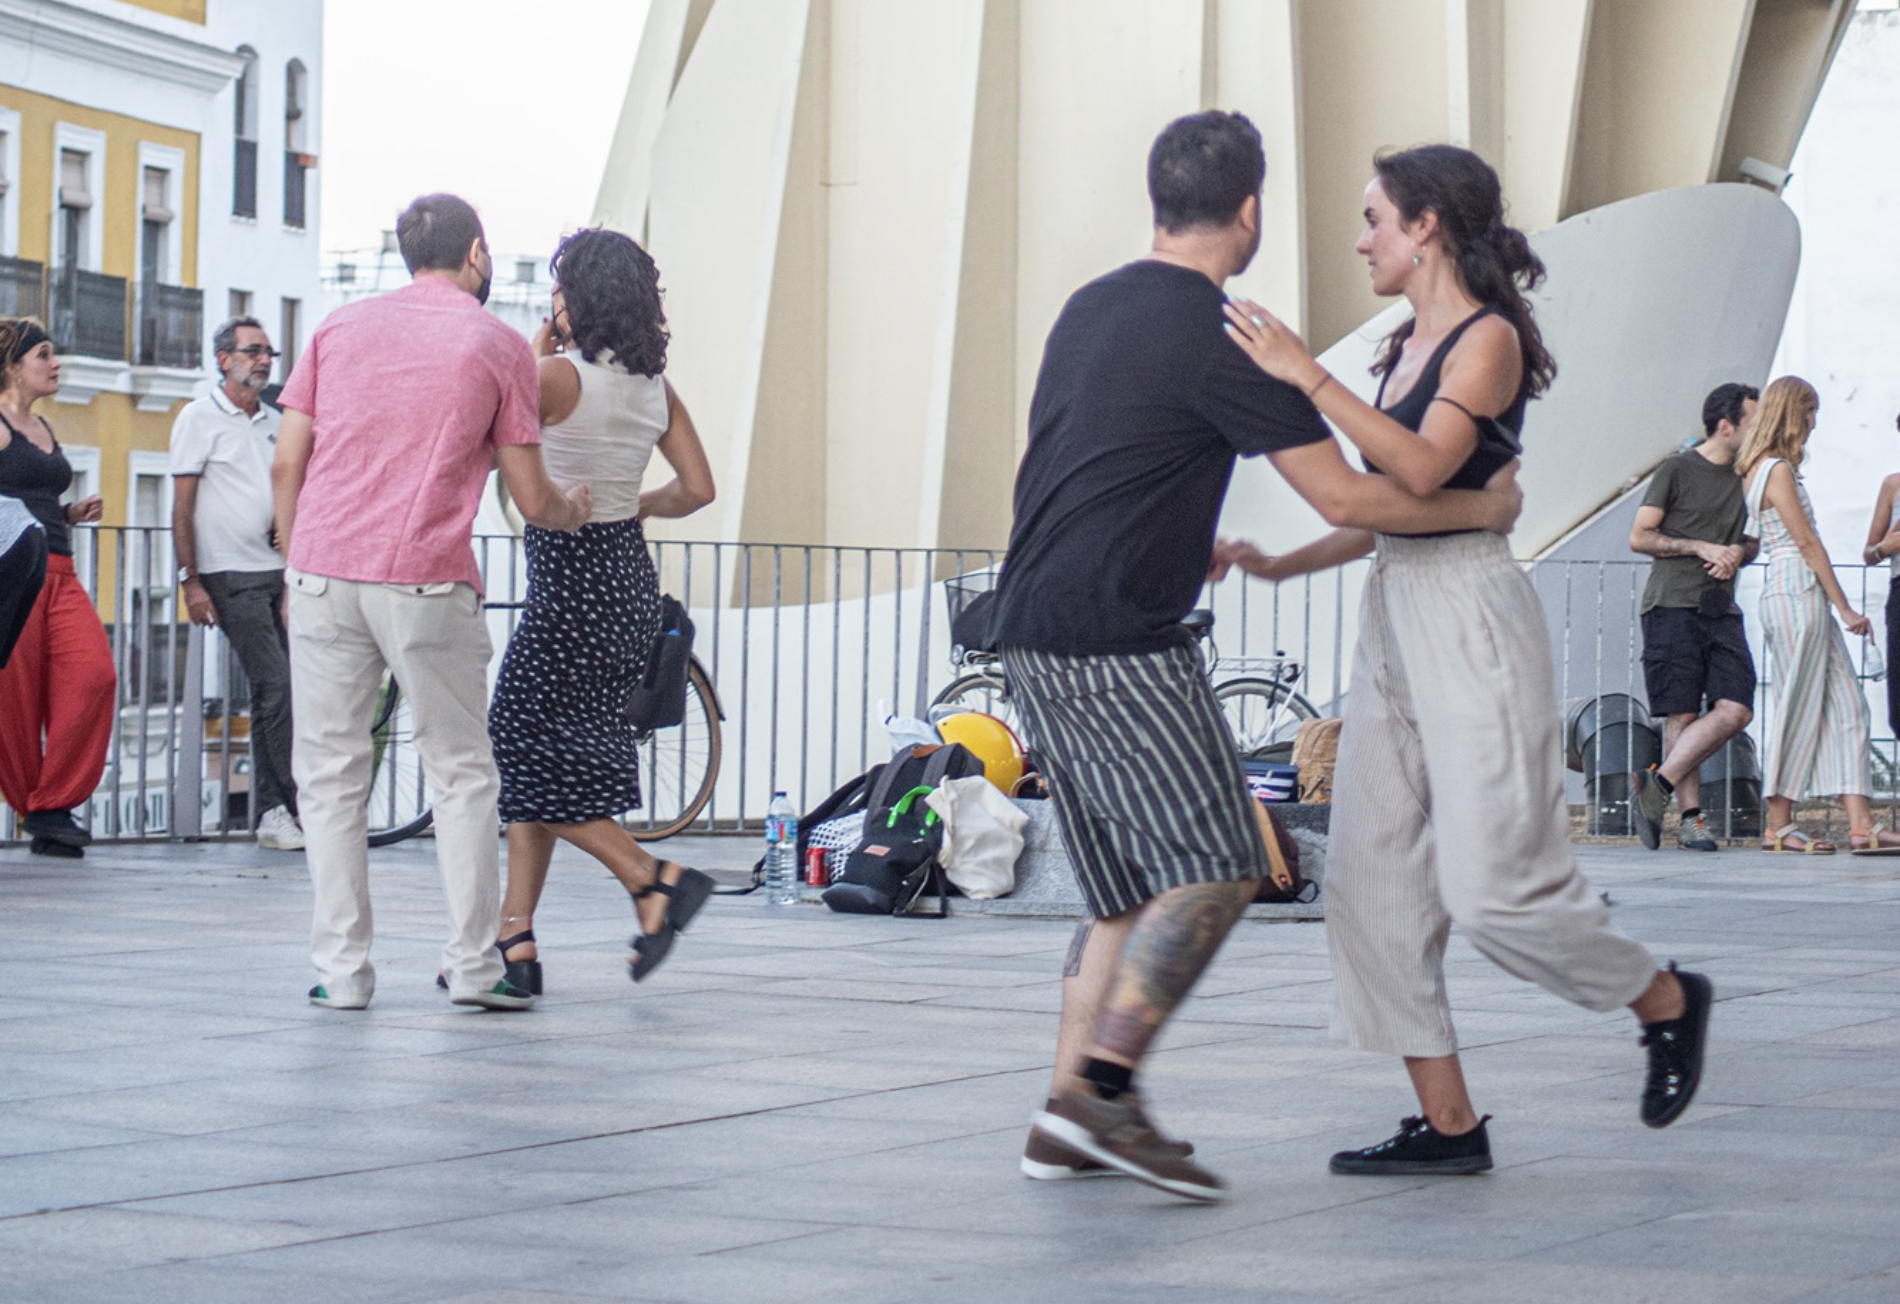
[
  {"x": 38, "y": 479},
  {"x": 1497, "y": 436}
]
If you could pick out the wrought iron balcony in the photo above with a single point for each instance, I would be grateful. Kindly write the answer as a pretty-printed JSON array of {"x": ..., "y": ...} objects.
[
  {"x": 244, "y": 180},
  {"x": 171, "y": 326},
  {"x": 22, "y": 288},
  {"x": 294, "y": 170},
  {"x": 88, "y": 313}
]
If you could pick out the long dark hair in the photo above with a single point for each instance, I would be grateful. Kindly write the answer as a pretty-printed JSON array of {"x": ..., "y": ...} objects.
[
  {"x": 612, "y": 291},
  {"x": 1493, "y": 257}
]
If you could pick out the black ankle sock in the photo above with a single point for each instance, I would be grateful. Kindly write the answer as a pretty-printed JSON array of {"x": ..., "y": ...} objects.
[
  {"x": 1691, "y": 813},
  {"x": 1108, "y": 1078},
  {"x": 1666, "y": 785}
]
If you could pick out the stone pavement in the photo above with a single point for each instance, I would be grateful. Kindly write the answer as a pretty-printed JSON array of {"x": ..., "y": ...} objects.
[{"x": 805, "y": 1106}]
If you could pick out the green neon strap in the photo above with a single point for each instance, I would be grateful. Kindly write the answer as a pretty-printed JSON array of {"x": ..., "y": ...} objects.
[{"x": 903, "y": 807}]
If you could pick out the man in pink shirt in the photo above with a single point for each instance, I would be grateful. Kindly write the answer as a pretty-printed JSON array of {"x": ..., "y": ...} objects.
[{"x": 392, "y": 419}]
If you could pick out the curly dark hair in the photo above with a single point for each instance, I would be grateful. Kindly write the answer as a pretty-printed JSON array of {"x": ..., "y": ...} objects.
[
  {"x": 612, "y": 291},
  {"x": 1494, "y": 258}
]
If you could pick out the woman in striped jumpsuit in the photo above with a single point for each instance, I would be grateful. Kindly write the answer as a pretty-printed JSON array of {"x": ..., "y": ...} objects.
[{"x": 1818, "y": 741}]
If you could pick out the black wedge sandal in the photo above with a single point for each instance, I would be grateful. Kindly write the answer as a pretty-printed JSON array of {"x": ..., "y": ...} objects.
[
  {"x": 525, "y": 974},
  {"x": 688, "y": 895}
]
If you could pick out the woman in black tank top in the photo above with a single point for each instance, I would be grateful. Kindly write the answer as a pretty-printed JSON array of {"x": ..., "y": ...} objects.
[{"x": 1448, "y": 794}]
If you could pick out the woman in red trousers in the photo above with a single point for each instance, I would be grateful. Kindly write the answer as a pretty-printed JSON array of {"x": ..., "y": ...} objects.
[{"x": 57, "y": 690}]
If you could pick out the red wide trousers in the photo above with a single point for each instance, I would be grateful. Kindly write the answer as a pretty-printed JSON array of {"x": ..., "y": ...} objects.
[{"x": 56, "y": 700}]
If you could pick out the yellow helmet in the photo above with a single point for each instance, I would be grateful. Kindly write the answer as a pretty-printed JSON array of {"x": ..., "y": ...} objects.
[{"x": 993, "y": 742}]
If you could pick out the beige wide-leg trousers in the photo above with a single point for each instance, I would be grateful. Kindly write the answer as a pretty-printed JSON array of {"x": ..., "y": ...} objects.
[
  {"x": 432, "y": 636},
  {"x": 1448, "y": 804}
]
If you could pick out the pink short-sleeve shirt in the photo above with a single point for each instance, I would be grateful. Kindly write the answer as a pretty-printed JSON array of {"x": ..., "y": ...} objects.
[{"x": 408, "y": 395}]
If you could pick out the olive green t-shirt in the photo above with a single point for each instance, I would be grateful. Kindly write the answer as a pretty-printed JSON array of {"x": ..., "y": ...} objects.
[{"x": 1699, "y": 500}]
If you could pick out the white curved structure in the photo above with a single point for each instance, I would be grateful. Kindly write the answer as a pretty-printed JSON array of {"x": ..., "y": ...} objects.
[
  {"x": 1650, "y": 304},
  {"x": 868, "y": 213}
]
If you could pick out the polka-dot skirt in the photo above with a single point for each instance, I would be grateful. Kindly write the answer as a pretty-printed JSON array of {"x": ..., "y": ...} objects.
[{"x": 558, "y": 721}]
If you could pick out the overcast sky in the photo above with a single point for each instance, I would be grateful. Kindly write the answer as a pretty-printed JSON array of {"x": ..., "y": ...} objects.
[{"x": 510, "y": 104}]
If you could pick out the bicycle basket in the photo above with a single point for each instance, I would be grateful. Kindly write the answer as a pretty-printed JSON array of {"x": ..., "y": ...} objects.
[{"x": 968, "y": 598}]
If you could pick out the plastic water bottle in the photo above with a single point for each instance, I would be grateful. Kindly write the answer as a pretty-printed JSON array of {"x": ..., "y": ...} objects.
[{"x": 781, "y": 852}]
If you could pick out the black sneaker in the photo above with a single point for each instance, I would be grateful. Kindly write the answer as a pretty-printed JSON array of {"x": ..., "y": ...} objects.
[
  {"x": 1675, "y": 1052},
  {"x": 56, "y": 826},
  {"x": 1420, "y": 1148},
  {"x": 57, "y": 850},
  {"x": 1648, "y": 802}
]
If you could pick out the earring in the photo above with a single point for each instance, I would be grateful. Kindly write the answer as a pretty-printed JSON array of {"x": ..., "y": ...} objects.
[{"x": 1418, "y": 259}]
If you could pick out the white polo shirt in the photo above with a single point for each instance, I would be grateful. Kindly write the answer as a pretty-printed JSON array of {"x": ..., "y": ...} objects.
[{"x": 230, "y": 453}]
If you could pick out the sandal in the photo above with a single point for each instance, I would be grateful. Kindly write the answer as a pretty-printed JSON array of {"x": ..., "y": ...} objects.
[
  {"x": 525, "y": 974},
  {"x": 687, "y": 895},
  {"x": 1779, "y": 841},
  {"x": 1877, "y": 841}
]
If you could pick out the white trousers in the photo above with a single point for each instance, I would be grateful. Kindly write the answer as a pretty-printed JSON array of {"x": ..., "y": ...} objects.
[
  {"x": 343, "y": 635},
  {"x": 1448, "y": 804}
]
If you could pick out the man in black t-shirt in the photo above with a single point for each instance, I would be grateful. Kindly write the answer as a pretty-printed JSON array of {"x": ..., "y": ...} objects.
[
  {"x": 1141, "y": 406},
  {"x": 1694, "y": 649}
]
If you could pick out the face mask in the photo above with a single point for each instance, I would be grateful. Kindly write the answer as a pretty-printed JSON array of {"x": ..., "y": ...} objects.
[{"x": 481, "y": 291}]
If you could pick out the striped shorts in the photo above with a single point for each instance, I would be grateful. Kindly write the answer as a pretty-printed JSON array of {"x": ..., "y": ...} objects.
[{"x": 1147, "y": 783}]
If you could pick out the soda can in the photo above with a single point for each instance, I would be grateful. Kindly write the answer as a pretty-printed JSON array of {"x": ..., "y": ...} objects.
[{"x": 815, "y": 872}]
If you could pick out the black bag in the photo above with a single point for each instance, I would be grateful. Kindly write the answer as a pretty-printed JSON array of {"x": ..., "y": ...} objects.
[
  {"x": 897, "y": 859},
  {"x": 659, "y": 700}
]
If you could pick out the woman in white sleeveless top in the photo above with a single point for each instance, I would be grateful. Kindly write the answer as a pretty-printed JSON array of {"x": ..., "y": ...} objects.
[
  {"x": 1883, "y": 544},
  {"x": 562, "y": 743},
  {"x": 1818, "y": 738}
]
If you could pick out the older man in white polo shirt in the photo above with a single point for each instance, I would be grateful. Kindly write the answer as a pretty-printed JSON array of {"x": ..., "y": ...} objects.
[{"x": 222, "y": 446}]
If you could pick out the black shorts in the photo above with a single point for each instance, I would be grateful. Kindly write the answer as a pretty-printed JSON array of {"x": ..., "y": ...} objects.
[{"x": 1690, "y": 660}]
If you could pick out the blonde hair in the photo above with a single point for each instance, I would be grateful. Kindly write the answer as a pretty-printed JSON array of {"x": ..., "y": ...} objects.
[{"x": 1783, "y": 421}]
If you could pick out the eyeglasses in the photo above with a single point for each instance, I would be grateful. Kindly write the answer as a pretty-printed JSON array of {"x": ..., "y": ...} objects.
[{"x": 258, "y": 351}]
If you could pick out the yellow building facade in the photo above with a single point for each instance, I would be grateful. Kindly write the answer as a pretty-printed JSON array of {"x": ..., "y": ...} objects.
[{"x": 104, "y": 427}]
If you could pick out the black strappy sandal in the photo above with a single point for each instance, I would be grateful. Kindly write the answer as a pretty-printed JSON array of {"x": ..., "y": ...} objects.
[
  {"x": 525, "y": 974},
  {"x": 688, "y": 895}
]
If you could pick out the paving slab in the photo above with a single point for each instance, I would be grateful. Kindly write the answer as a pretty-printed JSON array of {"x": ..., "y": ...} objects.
[{"x": 809, "y": 1106}]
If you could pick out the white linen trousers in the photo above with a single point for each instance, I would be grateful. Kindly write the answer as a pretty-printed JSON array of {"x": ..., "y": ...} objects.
[
  {"x": 1448, "y": 804},
  {"x": 433, "y": 637}
]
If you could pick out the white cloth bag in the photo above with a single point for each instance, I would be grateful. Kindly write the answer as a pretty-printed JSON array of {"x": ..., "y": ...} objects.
[{"x": 982, "y": 836}]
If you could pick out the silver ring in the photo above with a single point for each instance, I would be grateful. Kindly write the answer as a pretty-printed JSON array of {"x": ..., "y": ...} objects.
[{"x": 1259, "y": 321}]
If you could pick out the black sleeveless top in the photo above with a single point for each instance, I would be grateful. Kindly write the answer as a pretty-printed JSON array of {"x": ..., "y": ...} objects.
[
  {"x": 1497, "y": 436},
  {"x": 38, "y": 479}
]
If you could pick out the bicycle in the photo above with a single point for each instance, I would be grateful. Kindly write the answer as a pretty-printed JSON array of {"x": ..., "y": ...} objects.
[
  {"x": 1258, "y": 699},
  {"x": 678, "y": 766}
]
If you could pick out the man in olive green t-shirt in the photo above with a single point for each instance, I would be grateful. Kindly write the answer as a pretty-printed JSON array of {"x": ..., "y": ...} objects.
[{"x": 1694, "y": 648}]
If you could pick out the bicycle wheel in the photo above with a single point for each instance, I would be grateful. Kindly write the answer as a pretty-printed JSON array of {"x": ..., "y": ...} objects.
[
  {"x": 1264, "y": 715},
  {"x": 398, "y": 802},
  {"x": 678, "y": 766},
  {"x": 981, "y": 690}
]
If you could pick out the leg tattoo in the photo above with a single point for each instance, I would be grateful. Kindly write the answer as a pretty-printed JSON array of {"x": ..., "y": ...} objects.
[
  {"x": 1078, "y": 946},
  {"x": 1173, "y": 939}
]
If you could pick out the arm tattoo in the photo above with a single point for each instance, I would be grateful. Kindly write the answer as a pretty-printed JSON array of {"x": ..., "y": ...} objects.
[
  {"x": 1078, "y": 945},
  {"x": 1169, "y": 947}
]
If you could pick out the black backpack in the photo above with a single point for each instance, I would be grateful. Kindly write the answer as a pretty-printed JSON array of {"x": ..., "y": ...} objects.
[{"x": 897, "y": 858}]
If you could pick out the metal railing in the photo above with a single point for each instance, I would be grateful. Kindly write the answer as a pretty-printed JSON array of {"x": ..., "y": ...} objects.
[
  {"x": 171, "y": 326},
  {"x": 244, "y": 179},
  {"x": 22, "y": 288},
  {"x": 88, "y": 313},
  {"x": 809, "y": 648}
]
